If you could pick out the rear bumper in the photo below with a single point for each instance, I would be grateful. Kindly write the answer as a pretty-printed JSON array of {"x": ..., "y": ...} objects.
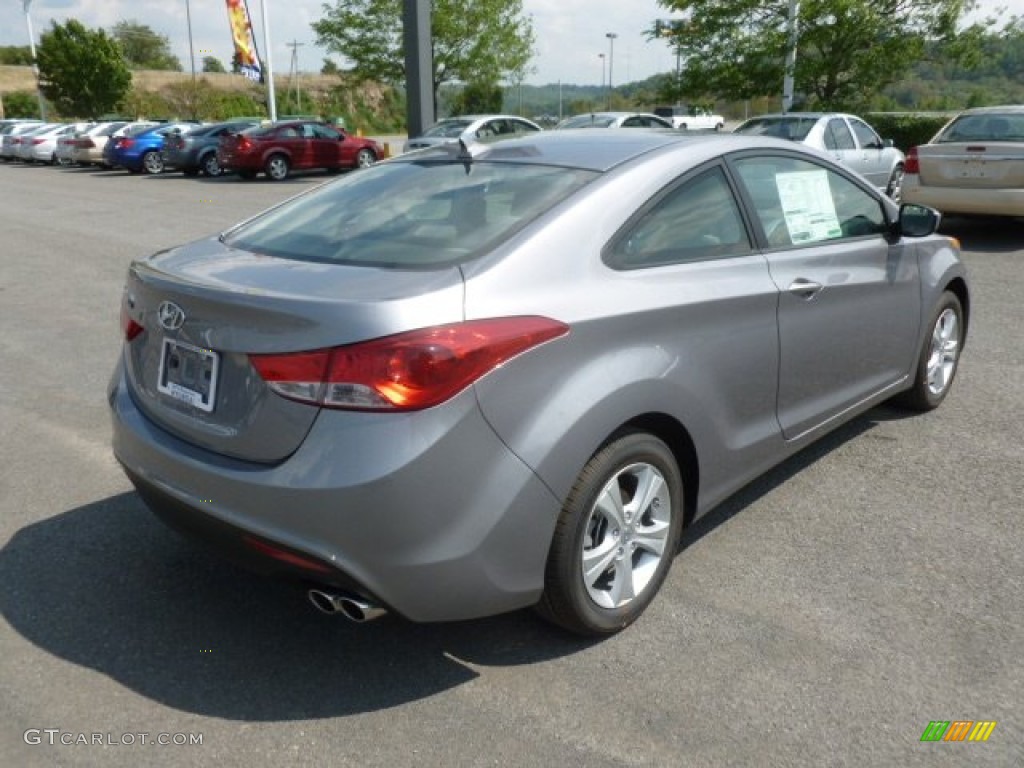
[
  {"x": 953, "y": 200},
  {"x": 428, "y": 513}
]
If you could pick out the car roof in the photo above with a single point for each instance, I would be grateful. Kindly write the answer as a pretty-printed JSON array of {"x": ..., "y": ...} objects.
[
  {"x": 594, "y": 149},
  {"x": 1011, "y": 109}
]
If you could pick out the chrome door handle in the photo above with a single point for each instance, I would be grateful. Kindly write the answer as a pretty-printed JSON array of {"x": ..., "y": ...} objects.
[{"x": 805, "y": 289}]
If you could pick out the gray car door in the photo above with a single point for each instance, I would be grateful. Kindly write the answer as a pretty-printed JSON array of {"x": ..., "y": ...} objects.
[{"x": 849, "y": 301}]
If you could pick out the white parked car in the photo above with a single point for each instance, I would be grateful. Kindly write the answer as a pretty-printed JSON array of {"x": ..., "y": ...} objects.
[
  {"x": 691, "y": 118},
  {"x": 974, "y": 165}
]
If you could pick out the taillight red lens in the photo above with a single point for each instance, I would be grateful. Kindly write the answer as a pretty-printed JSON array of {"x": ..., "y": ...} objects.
[
  {"x": 912, "y": 164},
  {"x": 130, "y": 328},
  {"x": 125, "y": 143},
  {"x": 244, "y": 143},
  {"x": 37, "y": 141},
  {"x": 408, "y": 371}
]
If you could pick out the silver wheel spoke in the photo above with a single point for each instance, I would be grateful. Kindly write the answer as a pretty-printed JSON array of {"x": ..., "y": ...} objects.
[
  {"x": 597, "y": 560},
  {"x": 649, "y": 486},
  {"x": 622, "y": 590},
  {"x": 652, "y": 538},
  {"x": 609, "y": 504}
]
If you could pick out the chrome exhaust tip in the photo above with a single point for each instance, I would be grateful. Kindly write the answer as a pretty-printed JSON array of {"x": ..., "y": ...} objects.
[{"x": 352, "y": 608}]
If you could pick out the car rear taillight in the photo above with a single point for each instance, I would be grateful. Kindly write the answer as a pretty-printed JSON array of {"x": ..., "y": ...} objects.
[
  {"x": 912, "y": 164},
  {"x": 244, "y": 143},
  {"x": 129, "y": 327},
  {"x": 408, "y": 371},
  {"x": 37, "y": 141},
  {"x": 124, "y": 143}
]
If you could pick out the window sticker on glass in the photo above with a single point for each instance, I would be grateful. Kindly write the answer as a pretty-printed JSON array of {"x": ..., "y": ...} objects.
[{"x": 807, "y": 205}]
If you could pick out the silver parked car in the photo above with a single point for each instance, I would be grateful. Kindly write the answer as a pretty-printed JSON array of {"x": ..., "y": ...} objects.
[
  {"x": 484, "y": 377},
  {"x": 486, "y": 127},
  {"x": 847, "y": 138},
  {"x": 974, "y": 165}
]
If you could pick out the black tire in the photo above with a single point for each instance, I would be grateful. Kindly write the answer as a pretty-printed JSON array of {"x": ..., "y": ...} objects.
[
  {"x": 622, "y": 551},
  {"x": 940, "y": 356},
  {"x": 276, "y": 167},
  {"x": 365, "y": 158},
  {"x": 210, "y": 165},
  {"x": 153, "y": 162}
]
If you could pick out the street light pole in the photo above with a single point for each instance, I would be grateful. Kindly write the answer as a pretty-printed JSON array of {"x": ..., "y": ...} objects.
[
  {"x": 611, "y": 63},
  {"x": 271, "y": 99},
  {"x": 603, "y": 61},
  {"x": 27, "y": 4},
  {"x": 790, "y": 68},
  {"x": 191, "y": 50}
]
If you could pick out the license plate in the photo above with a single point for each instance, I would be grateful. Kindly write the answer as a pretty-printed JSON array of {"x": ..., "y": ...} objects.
[{"x": 188, "y": 373}]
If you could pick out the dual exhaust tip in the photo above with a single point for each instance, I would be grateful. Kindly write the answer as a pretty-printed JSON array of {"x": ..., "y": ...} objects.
[{"x": 352, "y": 608}]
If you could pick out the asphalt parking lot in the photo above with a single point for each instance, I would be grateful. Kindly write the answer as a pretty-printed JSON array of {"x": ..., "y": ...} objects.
[{"x": 823, "y": 617}]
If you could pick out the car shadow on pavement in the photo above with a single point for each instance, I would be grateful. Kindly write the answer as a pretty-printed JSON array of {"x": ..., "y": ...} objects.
[
  {"x": 794, "y": 465},
  {"x": 985, "y": 234},
  {"x": 108, "y": 587}
]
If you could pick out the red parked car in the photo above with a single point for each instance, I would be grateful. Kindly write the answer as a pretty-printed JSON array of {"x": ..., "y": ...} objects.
[{"x": 279, "y": 149}]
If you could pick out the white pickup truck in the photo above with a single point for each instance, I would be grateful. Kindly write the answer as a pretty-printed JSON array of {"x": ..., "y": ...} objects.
[{"x": 691, "y": 118}]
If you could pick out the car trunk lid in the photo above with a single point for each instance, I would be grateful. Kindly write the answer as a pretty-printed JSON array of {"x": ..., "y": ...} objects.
[
  {"x": 205, "y": 308},
  {"x": 978, "y": 164}
]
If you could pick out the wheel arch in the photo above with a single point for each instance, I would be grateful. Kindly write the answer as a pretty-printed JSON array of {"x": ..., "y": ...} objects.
[
  {"x": 958, "y": 287},
  {"x": 670, "y": 431}
]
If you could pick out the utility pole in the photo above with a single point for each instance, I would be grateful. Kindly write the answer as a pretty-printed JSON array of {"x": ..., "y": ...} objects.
[
  {"x": 611, "y": 63},
  {"x": 790, "y": 68},
  {"x": 269, "y": 72},
  {"x": 27, "y": 4},
  {"x": 294, "y": 75}
]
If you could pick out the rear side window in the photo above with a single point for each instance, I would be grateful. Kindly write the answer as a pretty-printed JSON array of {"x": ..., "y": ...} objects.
[
  {"x": 798, "y": 202},
  {"x": 838, "y": 136},
  {"x": 696, "y": 221},
  {"x": 415, "y": 215}
]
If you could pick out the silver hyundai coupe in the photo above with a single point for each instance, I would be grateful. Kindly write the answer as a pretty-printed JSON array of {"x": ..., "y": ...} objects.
[{"x": 482, "y": 377}]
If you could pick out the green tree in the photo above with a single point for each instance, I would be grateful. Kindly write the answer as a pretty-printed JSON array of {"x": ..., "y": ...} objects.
[
  {"x": 21, "y": 104},
  {"x": 473, "y": 40},
  {"x": 329, "y": 68},
  {"x": 212, "y": 64},
  {"x": 477, "y": 98},
  {"x": 16, "y": 55},
  {"x": 848, "y": 49},
  {"x": 82, "y": 71},
  {"x": 143, "y": 48}
]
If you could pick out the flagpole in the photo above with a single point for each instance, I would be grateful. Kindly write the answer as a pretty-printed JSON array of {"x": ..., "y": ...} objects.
[
  {"x": 271, "y": 100},
  {"x": 27, "y": 4}
]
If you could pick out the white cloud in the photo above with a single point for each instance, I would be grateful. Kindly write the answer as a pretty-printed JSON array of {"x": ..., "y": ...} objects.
[{"x": 570, "y": 33}]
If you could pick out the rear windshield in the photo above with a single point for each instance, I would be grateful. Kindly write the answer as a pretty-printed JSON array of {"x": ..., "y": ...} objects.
[
  {"x": 416, "y": 215},
  {"x": 792, "y": 128},
  {"x": 447, "y": 129},
  {"x": 984, "y": 127},
  {"x": 588, "y": 121}
]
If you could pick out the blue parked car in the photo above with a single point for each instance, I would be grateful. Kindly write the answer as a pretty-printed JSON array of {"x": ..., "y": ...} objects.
[{"x": 143, "y": 151}]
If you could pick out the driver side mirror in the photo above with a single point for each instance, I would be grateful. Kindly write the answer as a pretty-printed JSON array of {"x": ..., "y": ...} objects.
[{"x": 918, "y": 220}]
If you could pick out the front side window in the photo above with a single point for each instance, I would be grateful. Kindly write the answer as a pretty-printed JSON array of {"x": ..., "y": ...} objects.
[
  {"x": 799, "y": 202},
  {"x": 696, "y": 221},
  {"x": 865, "y": 134}
]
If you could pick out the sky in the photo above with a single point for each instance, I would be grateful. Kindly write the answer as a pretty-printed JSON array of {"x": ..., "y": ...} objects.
[{"x": 571, "y": 34}]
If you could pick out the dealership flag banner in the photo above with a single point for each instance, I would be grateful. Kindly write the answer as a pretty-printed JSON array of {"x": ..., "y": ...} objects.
[{"x": 245, "y": 43}]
